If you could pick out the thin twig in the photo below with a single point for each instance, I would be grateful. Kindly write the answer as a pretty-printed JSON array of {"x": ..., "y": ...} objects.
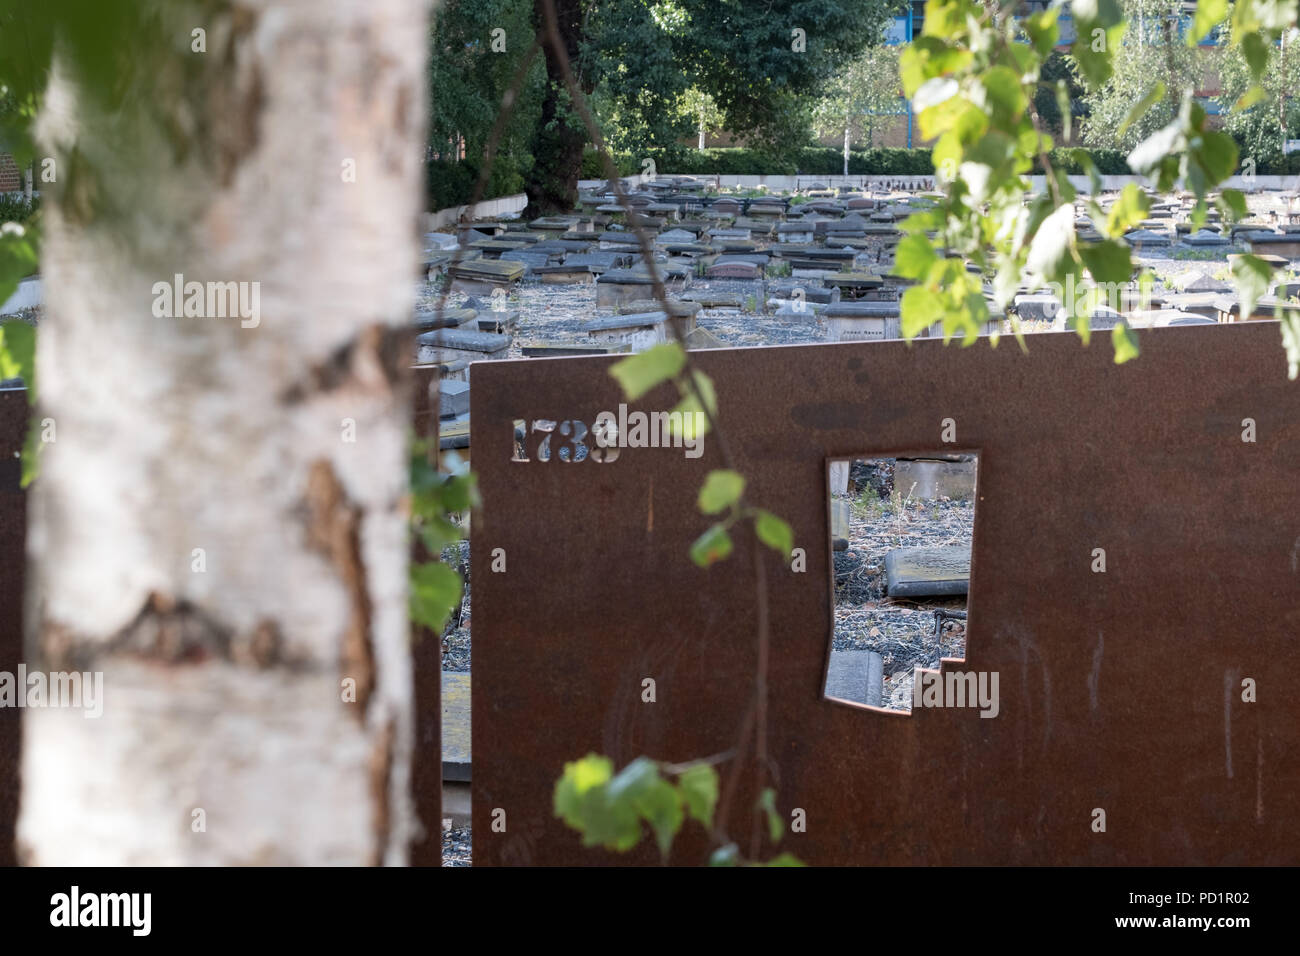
[{"x": 758, "y": 708}]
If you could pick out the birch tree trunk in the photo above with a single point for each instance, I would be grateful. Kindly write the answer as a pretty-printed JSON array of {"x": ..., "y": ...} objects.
[{"x": 218, "y": 526}]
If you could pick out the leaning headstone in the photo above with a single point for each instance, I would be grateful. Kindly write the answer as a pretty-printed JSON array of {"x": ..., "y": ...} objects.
[{"x": 856, "y": 675}]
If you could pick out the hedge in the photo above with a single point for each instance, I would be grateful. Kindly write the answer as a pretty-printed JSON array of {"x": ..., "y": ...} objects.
[{"x": 452, "y": 184}]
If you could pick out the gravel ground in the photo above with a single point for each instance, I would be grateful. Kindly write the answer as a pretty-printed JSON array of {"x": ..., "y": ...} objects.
[
  {"x": 901, "y": 631},
  {"x": 456, "y": 844}
]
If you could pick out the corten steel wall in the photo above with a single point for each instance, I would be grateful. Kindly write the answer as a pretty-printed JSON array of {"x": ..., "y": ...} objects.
[
  {"x": 426, "y": 654},
  {"x": 1118, "y": 691},
  {"x": 13, "y": 525}
]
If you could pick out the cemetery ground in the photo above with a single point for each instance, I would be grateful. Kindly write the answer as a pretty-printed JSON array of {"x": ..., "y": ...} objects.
[{"x": 753, "y": 269}]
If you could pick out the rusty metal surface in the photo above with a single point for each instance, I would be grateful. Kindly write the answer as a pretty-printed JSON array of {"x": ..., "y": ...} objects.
[
  {"x": 1118, "y": 690},
  {"x": 13, "y": 526},
  {"x": 426, "y": 667}
]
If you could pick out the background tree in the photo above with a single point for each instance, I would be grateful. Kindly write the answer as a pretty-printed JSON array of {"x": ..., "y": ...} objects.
[
  {"x": 1152, "y": 52},
  {"x": 476, "y": 46},
  {"x": 203, "y": 532},
  {"x": 762, "y": 65},
  {"x": 861, "y": 98},
  {"x": 1268, "y": 118}
]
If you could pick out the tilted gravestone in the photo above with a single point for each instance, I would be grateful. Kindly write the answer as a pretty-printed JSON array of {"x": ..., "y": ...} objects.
[{"x": 1132, "y": 585}]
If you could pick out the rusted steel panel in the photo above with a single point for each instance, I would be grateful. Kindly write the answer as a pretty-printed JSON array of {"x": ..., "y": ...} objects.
[
  {"x": 13, "y": 525},
  {"x": 426, "y": 666},
  {"x": 1118, "y": 690}
]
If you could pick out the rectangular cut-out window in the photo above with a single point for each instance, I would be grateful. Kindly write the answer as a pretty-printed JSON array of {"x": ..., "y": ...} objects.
[{"x": 901, "y": 533}]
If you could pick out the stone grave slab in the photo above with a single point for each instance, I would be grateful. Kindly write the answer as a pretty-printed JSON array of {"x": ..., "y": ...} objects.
[
  {"x": 447, "y": 319},
  {"x": 734, "y": 270},
  {"x": 1159, "y": 318},
  {"x": 843, "y": 325},
  {"x": 500, "y": 321},
  {"x": 640, "y": 330},
  {"x": 701, "y": 338},
  {"x": 1282, "y": 244},
  {"x": 456, "y": 749},
  {"x": 927, "y": 572},
  {"x": 553, "y": 348},
  {"x": 1036, "y": 307},
  {"x": 453, "y": 398},
  {"x": 1141, "y": 239},
  {"x": 621, "y": 285},
  {"x": 442, "y": 345},
  {"x": 712, "y": 300}
]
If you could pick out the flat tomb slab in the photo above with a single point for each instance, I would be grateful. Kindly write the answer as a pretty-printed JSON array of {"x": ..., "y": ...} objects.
[{"x": 928, "y": 572}]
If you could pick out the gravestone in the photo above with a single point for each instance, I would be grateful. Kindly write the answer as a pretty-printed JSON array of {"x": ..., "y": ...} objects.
[{"x": 857, "y": 676}]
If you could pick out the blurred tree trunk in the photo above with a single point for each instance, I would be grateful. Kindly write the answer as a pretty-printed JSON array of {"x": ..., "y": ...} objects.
[
  {"x": 560, "y": 137},
  {"x": 218, "y": 527}
]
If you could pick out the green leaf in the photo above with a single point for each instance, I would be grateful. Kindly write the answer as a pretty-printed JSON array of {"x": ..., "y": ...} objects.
[
  {"x": 919, "y": 308},
  {"x": 1128, "y": 211},
  {"x": 435, "y": 592},
  {"x": 661, "y": 807},
  {"x": 914, "y": 256},
  {"x": 1003, "y": 96},
  {"x": 774, "y": 532},
  {"x": 18, "y": 354},
  {"x": 699, "y": 789},
  {"x": 1233, "y": 204},
  {"x": 1152, "y": 96},
  {"x": 1217, "y": 155},
  {"x": 1108, "y": 261},
  {"x": 1255, "y": 49},
  {"x": 639, "y": 373},
  {"x": 784, "y": 859},
  {"x": 1248, "y": 99},
  {"x": 692, "y": 422},
  {"x": 712, "y": 546},
  {"x": 1043, "y": 30},
  {"x": 1253, "y": 276},
  {"x": 775, "y": 825},
  {"x": 582, "y": 800},
  {"x": 1049, "y": 250},
  {"x": 722, "y": 489},
  {"x": 1125, "y": 343},
  {"x": 1209, "y": 13}
]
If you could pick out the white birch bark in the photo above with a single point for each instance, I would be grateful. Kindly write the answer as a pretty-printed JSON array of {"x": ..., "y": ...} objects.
[{"x": 224, "y": 686}]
